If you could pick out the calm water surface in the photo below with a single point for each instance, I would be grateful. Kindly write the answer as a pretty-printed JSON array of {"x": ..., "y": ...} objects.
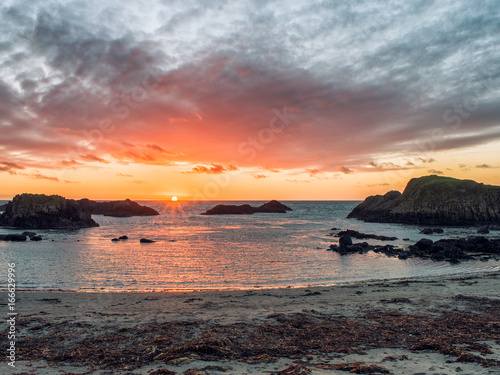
[{"x": 217, "y": 252}]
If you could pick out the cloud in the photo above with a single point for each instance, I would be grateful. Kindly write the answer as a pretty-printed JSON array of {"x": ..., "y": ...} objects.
[
  {"x": 463, "y": 167},
  {"x": 259, "y": 176},
  {"x": 155, "y": 147},
  {"x": 38, "y": 176},
  {"x": 430, "y": 160},
  {"x": 214, "y": 169},
  {"x": 124, "y": 175},
  {"x": 272, "y": 170},
  {"x": 206, "y": 84},
  {"x": 313, "y": 172},
  {"x": 485, "y": 166},
  {"x": 10, "y": 167},
  {"x": 70, "y": 163},
  {"x": 433, "y": 171},
  {"x": 94, "y": 158},
  {"x": 346, "y": 170}
]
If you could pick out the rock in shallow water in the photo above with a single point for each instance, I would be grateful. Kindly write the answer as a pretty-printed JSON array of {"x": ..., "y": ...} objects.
[{"x": 13, "y": 237}]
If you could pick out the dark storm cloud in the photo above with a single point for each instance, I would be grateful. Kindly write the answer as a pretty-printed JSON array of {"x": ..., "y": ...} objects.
[{"x": 360, "y": 79}]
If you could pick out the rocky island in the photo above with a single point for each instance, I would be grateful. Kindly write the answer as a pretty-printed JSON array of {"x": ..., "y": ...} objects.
[
  {"x": 245, "y": 209},
  {"x": 124, "y": 208},
  {"x": 434, "y": 200},
  {"x": 40, "y": 211}
]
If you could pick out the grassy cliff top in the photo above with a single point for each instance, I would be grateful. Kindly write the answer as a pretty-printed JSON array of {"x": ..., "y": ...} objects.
[{"x": 435, "y": 188}]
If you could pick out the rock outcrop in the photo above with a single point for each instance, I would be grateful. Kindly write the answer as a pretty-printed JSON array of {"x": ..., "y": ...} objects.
[
  {"x": 434, "y": 200},
  {"x": 40, "y": 211},
  {"x": 451, "y": 250},
  {"x": 124, "y": 208},
  {"x": 363, "y": 236},
  {"x": 245, "y": 209}
]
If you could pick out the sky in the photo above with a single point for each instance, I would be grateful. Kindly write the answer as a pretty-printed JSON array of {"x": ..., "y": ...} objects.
[{"x": 246, "y": 100}]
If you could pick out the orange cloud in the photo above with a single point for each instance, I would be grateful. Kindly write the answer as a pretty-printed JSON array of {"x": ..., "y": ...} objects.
[
  {"x": 94, "y": 158},
  {"x": 214, "y": 169}
]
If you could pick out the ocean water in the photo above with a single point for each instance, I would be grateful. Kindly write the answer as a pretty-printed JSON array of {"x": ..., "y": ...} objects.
[{"x": 194, "y": 251}]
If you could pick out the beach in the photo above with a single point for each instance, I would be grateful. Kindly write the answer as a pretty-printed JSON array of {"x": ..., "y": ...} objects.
[{"x": 427, "y": 325}]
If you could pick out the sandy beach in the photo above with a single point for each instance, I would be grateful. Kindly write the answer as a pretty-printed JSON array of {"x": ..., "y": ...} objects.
[{"x": 432, "y": 325}]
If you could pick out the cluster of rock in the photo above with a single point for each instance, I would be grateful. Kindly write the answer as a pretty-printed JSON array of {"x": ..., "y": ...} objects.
[
  {"x": 363, "y": 236},
  {"x": 245, "y": 209},
  {"x": 20, "y": 237},
  {"x": 451, "y": 250},
  {"x": 40, "y": 211},
  {"x": 125, "y": 237},
  {"x": 434, "y": 200},
  {"x": 119, "y": 238}
]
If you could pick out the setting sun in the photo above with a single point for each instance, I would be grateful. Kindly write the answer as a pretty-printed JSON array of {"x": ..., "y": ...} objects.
[{"x": 174, "y": 199}]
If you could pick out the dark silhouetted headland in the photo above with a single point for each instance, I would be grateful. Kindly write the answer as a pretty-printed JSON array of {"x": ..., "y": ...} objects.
[{"x": 434, "y": 200}]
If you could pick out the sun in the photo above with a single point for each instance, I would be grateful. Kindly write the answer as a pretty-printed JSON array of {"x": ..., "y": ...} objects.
[{"x": 174, "y": 199}]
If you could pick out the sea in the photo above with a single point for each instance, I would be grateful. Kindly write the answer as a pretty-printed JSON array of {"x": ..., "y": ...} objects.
[{"x": 197, "y": 252}]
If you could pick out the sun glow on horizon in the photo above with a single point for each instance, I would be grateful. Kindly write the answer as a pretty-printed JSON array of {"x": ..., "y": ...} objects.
[{"x": 174, "y": 199}]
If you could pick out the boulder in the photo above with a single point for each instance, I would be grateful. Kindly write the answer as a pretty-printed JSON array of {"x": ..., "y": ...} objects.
[
  {"x": 13, "y": 237},
  {"x": 434, "y": 200},
  {"x": 145, "y": 240},
  {"x": 345, "y": 241},
  {"x": 36, "y": 238},
  {"x": 431, "y": 230},
  {"x": 40, "y": 211},
  {"x": 425, "y": 245},
  {"x": 245, "y": 209}
]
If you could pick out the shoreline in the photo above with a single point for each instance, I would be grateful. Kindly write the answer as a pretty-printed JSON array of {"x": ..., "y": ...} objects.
[
  {"x": 306, "y": 330},
  {"x": 258, "y": 288}
]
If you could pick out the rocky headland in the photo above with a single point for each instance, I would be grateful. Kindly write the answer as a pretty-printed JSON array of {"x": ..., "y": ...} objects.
[
  {"x": 245, "y": 209},
  {"x": 40, "y": 211},
  {"x": 434, "y": 200}
]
